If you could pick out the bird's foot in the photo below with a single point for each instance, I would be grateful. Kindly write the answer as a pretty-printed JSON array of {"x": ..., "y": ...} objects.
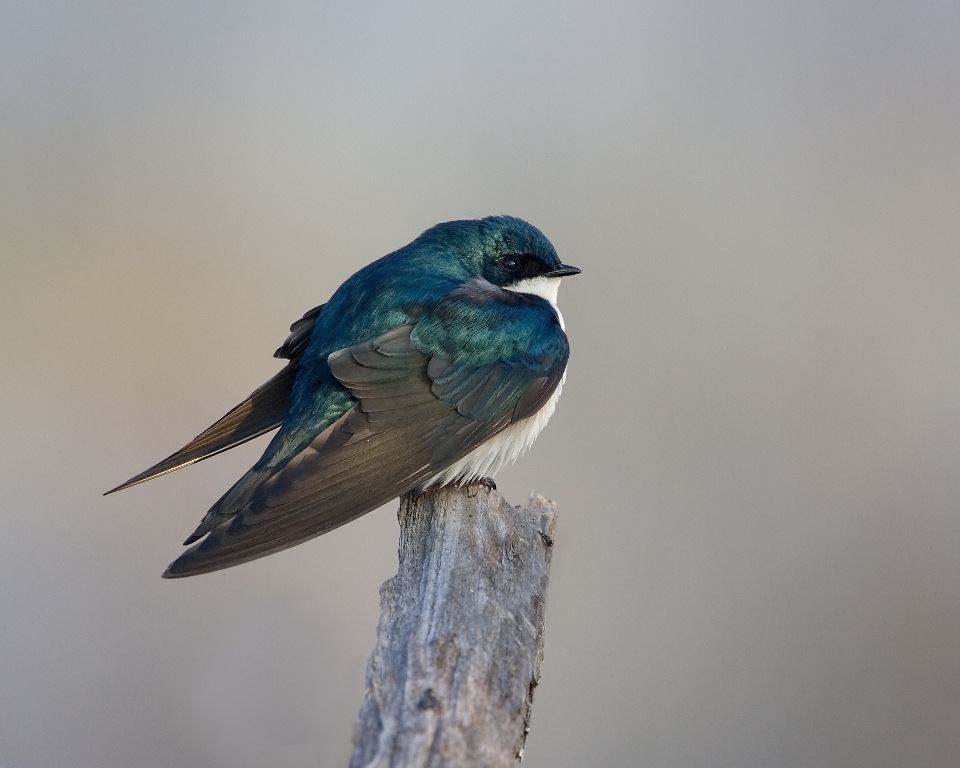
[{"x": 487, "y": 482}]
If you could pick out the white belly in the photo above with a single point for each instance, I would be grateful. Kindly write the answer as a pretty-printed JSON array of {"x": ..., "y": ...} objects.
[{"x": 505, "y": 448}]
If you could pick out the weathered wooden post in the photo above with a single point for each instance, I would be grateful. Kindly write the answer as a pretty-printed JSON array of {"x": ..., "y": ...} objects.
[{"x": 460, "y": 638}]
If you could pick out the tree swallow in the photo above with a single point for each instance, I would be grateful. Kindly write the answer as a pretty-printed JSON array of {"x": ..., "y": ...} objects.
[{"x": 436, "y": 364}]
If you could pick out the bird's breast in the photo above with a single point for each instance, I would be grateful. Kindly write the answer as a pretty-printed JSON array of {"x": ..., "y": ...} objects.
[
  {"x": 507, "y": 446},
  {"x": 501, "y": 449}
]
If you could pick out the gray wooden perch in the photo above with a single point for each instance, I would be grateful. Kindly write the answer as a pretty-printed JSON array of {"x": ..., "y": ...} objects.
[{"x": 460, "y": 639}]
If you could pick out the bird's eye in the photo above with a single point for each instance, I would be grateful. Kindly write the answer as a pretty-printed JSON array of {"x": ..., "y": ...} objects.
[{"x": 510, "y": 264}]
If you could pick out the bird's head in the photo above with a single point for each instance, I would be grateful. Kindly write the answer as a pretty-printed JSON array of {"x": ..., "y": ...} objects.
[
  {"x": 504, "y": 250},
  {"x": 517, "y": 255}
]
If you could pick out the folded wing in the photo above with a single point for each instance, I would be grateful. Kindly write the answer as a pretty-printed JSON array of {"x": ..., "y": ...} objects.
[{"x": 424, "y": 400}]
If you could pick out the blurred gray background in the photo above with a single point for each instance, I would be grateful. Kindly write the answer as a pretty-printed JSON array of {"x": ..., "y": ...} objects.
[{"x": 756, "y": 453}]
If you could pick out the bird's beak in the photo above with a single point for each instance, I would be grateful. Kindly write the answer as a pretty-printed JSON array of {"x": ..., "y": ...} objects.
[{"x": 564, "y": 270}]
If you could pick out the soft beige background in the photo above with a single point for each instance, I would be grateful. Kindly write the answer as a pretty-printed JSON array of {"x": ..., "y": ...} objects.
[{"x": 756, "y": 454}]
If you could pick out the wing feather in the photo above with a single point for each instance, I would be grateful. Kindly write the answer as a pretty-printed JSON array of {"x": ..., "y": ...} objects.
[
  {"x": 420, "y": 406},
  {"x": 263, "y": 411},
  {"x": 260, "y": 413}
]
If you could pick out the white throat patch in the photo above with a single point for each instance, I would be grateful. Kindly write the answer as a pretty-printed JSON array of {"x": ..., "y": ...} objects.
[{"x": 544, "y": 287}]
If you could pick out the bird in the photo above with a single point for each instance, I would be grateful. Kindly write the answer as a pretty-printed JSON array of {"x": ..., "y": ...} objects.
[{"x": 437, "y": 364}]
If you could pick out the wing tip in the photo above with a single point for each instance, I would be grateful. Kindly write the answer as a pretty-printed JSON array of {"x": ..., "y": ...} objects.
[
  {"x": 182, "y": 567},
  {"x": 172, "y": 574},
  {"x": 194, "y": 563},
  {"x": 158, "y": 470},
  {"x": 130, "y": 483}
]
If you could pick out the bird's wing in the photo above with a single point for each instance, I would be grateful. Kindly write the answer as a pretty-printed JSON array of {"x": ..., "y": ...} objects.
[
  {"x": 427, "y": 394},
  {"x": 261, "y": 412}
]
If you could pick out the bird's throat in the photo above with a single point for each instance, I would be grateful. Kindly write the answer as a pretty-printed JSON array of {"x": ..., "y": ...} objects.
[{"x": 544, "y": 287}]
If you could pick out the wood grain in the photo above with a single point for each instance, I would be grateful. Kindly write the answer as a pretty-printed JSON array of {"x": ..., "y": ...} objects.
[{"x": 460, "y": 637}]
